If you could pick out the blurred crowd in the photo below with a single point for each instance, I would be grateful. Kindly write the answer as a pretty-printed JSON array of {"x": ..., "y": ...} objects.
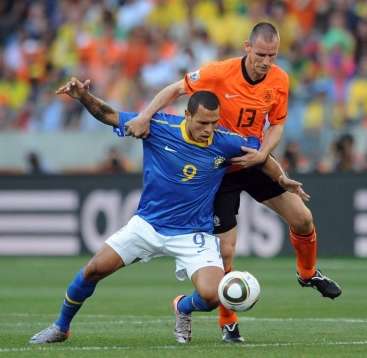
[{"x": 130, "y": 49}]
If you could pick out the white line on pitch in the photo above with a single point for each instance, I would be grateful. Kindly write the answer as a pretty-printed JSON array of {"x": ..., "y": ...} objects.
[
  {"x": 250, "y": 345},
  {"x": 151, "y": 319}
]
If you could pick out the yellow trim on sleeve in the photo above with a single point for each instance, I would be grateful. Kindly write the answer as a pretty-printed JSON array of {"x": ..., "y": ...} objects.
[{"x": 159, "y": 121}]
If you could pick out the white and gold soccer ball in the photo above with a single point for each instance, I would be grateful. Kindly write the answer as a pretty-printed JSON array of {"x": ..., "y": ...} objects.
[{"x": 239, "y": 291}]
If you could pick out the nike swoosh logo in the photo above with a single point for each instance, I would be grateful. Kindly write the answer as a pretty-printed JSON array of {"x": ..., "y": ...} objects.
[
  {"x": 168, "y": 149},
  {"x": 228, "y": 96},
  {"x": 201, "y": 250}
]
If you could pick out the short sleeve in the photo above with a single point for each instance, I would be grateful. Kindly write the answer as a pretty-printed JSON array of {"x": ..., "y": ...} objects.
[
  {"x": 123, "y": 118},
  {"x": 248, "y": 142},
  {"x": 234, "y": 142},
  {"x": 202, "y": 79}
]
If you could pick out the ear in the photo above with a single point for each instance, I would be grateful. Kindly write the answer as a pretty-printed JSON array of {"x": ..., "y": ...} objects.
[
  {"x": 187, "y": 115},
  {"x": 247, "y": 46}
]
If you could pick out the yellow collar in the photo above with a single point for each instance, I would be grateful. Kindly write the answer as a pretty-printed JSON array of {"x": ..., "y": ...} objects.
[{"x": 187, "y": 139}]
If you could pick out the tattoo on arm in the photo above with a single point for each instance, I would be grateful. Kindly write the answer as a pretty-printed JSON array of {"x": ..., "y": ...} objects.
[{"x": 98, "y": 108}]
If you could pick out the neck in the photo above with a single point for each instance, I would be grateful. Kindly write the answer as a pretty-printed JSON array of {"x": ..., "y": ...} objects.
[
  {"x": 188, "y": 131},
  {"x": 253, "y": 75}
]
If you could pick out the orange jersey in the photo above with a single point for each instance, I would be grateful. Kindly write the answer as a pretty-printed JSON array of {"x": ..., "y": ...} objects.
[{"x": 245, "y": 105}]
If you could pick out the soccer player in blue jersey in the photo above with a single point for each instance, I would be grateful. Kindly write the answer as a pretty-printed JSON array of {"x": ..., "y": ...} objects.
[
  {"x": 253, "y": 92},
  {"x": 184, "y": 161}
]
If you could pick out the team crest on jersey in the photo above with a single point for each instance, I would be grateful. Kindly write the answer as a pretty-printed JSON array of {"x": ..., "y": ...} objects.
[
  {"x": 216, "y": 221},
  {"x": 268, "y": 95},
  {"x": 194, "y": 76},
  {"x": 218, "y": 161}
]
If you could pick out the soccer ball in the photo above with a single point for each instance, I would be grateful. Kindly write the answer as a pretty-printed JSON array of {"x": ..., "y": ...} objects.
[{"x": 239, "y": 291}]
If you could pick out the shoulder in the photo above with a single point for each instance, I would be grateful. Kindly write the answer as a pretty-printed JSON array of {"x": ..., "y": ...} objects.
[
  {"x": 161, "y": 118},
  {"x": 225, "y": 133},
  {"x": 164, "y": 126},
  {"x": 225, "y": 65},
  {"x": 212, "y": 75},
  {"x": 279, "y": 77},
  {"x": 224, "y": 137},
  {"x": 222, "y": 67},
  {"x": 279, "y": 72}
]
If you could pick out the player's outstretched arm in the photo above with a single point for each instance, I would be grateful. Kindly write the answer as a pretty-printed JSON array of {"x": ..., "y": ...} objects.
[
  {"x": 139, "y": 126},
  {"x": 95, "y": 106},
  {"x": 274, "y": 170}
]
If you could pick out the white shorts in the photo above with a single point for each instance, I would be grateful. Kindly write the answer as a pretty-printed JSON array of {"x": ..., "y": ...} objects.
[{"x": 138, "y": 241}]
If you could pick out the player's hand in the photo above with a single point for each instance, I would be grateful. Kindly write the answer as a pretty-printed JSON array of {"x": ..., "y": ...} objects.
[
  {"x": 138, "y": 127},
  {"x": 74, "y": 88},
  {"x": 251, "y": 158},
  {"x": 293, "y": 186}
]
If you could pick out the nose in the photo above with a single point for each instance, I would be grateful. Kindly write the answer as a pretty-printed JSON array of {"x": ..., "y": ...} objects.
[
  {"x": 208, "y": 131},
  {"x": 267, "y": 60}
]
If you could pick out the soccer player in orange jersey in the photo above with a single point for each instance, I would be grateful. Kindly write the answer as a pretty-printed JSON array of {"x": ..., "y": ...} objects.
[{"x": 252, "y": 91}]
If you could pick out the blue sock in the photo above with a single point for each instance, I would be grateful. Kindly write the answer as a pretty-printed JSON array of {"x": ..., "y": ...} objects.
[
  {"x": 78, "y": 290},
  {"x": 192, "y": 303}
]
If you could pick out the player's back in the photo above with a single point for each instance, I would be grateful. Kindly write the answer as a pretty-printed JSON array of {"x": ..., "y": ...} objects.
[{"x": 181, "y": 176}]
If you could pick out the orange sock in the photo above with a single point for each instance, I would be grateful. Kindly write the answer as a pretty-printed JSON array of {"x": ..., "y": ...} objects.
[
  {"x": 306, "y": 253},
  {"x": 226, "y": 316}
]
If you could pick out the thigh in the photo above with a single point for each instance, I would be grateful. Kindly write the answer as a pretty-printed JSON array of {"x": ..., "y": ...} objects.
[
  {"x": 260, "y": 186},
  {"x": 105, "y": 262},
  {"x": 206, "y": 280},
  {"x": 227, "y": 201},
  {"x": 193, "y": 252},
  {"x": 226, "y": 204},
  {"x": 137, "y": 241},
  {"x": 290, "y": 207}
]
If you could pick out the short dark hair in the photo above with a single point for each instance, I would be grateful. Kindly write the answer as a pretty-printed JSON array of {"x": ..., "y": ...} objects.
[
  {"x": 264, "y": 29},
  {"x": 206, "y": 98}
]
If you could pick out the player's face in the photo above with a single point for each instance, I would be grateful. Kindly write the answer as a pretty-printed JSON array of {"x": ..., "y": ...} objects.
[
  {"x": 201, "y": 125},
  {"x": 260, "y": 56}
]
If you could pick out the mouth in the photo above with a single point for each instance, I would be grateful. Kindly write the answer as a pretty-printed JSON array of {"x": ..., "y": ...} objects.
[{"x": 204, "y": 138}]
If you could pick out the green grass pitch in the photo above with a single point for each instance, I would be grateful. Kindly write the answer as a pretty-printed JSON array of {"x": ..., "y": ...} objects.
[{"x": 130, "y": 313}]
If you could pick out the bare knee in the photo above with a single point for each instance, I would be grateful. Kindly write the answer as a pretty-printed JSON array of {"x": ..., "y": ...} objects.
[
  {"x": 302, "y": 221},
  {"x": 293, "y": 210},
  {"x": 210, "y": 296},
  {"x": 104, "y": 263},
  {"x": 94, "y": 271},
  {"x": 206, "y": 281}
]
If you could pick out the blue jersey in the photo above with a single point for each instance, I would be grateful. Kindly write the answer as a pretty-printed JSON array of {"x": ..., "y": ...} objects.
[{"x": 181, "y": 177}]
